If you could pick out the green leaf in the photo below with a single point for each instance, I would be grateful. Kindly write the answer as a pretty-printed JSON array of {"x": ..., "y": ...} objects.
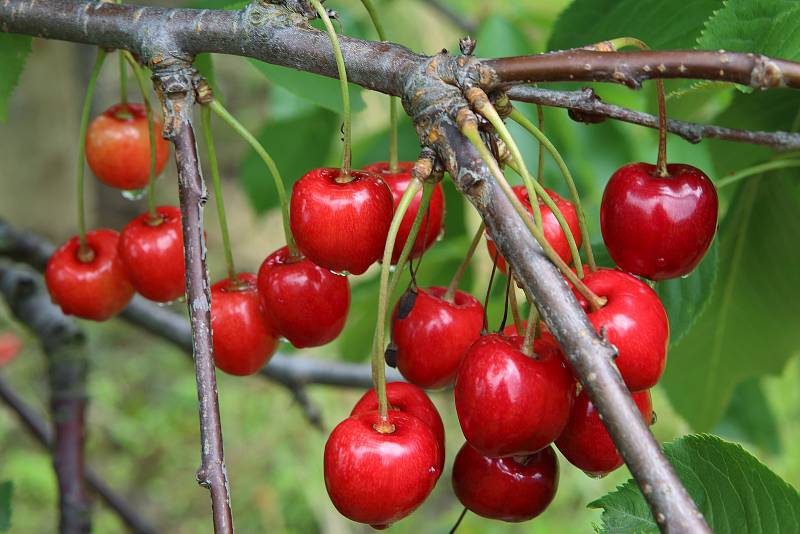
[
  {"x": 735, "y": 492},
  {"x": 14, "y": 49},
  {"x": 6, "y": 490},
  {"x": 660, "y": 24},
  {"x": 750, "y": 417},
  {"x": 745, "y": 329}
]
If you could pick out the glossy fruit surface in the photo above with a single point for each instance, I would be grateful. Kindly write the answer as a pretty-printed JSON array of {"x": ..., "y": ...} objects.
[
  {"x": 341, "y": 226},
  {"x": 658, "y": 227},
  {"x": 153, "y": 254},
  {"x": 635, "y": 322},
  {"x": 303, "y": 302},
  {"x": 510, "y": 404},
  {"x": 118, "y": 147},
  {"x": 431, "y": 225},
  {"x": 509, "y": 489},
  {"x": 243, "y": 341},
  {"x": 409, "y": 399},
  {"x": 433, "y": 338},
  {"x": 96, "y": 289},
  {"x": 586, "y": 443},
  {"x": 552, "y": 230},
  {"x": 377, "y": 478}
]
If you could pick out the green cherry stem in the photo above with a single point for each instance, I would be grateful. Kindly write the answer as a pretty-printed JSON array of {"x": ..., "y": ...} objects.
[
  {"x": 523, "y": 121},
  {"x": 378, "y": 344},
  {"x": 123, "y": 78},
  {"x": 462, "y": 268},
  {"x": 757, "y": 169},
  {"x": 217, "y": 183},
  {"x": 151, "y": 130},
  {"x": 427, "y": 192},
  {"x": 84, "y": 252},
  {"x": 531, "y": 330},
  {"x": 231, "y": 121},
  {"x": 540, "y": 168},
  {"x": 337, "y": 52},
  {"x": 512, "y": 298}
]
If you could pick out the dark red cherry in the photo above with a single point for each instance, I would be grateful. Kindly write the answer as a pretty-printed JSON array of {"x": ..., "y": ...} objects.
[
  {"x": 118, "y": 147},
  {"x": 152, "y": 250},
  {"x": 509, "y": 489},
  {"x": 658, "y": 227},
  {"x": 377, "y": 478},
  {"x": 243, "y": 340},
  {"x": 585, "y": 443},
  {"x": 433, "y": 338},
  {"x": 412, "y": 400},
  {"x": 96, "y": 289},
  {"x": 341, "y": 226},
  {"x": 431, "y": 225},
  {"x": 510, "y": 404},
  {"x": 634, "y": 321},
  {"x": 552, "y": 231},
  {"x": 303, "y": 302}
]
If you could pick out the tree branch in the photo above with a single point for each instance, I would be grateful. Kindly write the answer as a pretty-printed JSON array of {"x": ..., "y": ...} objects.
[{"x": 454, "y": 16}]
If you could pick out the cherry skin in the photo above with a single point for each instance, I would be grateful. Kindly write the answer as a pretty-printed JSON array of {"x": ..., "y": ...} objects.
[
  {"x": 431, "y": 225},
  {"x": 243, "y": 341},
  {"x": 634, "y": 321},
  {"x": 433, "y": 338},
  {"x": 97, "y": 289},
  {"x": 509, "y": 489},
  {"x": 377, "y": 478},
  {"x": 302, "y": 302},
  {"x": 586, "y": 444},
  {"x": 152, "y": 250},
  {"x": 510, "y": 404},
  {"x": 658, "y": 227},
  {"x": 341, "y": 226},
  {"x": 409, "y": 399},
  {"x": 552, "y": 230},
  {"x": 118, "y": 147}
]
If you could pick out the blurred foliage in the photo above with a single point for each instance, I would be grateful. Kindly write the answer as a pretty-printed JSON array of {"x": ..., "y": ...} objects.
[
  {"x": 6, "y": 490},
  {"x": 14, "y": 50}
]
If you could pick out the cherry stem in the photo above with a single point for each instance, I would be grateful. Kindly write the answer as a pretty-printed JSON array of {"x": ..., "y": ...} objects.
[
  {"x": 469, "y": 129},
  {"x": 531, "y": 330},
  {"x": 205, "y": 115},
  {"x": 512, "y": 297},
  {"x": 462, "y": 268},
  {"x": 87, "y": 108},
  {"x": 523, "y": 121},
  {"x": 379, "y": 341},
  {"x": 151, "y": 135},
  {"x": 337, "y": 52},
  {"x": 757, "y": 169},
  {"x": 540, "y": 168},
  {"x": 123, "y": 78},
  {"x": 223, "y": 113}
]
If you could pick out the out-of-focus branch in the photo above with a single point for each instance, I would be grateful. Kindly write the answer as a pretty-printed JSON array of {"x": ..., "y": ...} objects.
[{"x": 453, "y": 16}]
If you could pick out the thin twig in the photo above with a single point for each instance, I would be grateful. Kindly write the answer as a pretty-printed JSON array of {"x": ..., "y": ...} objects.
[{"x": 454, "y": 16}]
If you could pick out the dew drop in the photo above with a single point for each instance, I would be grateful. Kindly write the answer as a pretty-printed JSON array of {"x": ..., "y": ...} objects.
[
  {"x": 134, "y": 194},
  {"x": 685, "y": 276},
  {"x": 392, "y": 268},
  {"x": 441, "y": 235},
  {"x": 283, "y": 340},
  {"x": 341, "y": 273},
  {"x": 596, "y": 475}
]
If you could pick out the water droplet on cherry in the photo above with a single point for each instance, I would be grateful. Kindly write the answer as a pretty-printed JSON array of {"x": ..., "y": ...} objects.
[{"x": 134, "y": 194}]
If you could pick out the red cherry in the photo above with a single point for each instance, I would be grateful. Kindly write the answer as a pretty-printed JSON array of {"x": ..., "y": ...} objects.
[
  {"x": 409, "y": 399},
  {"x": 510, "y": 404},
  {"x": 10, "y": 345},
  {"x": 97, "y": 289},
  {"x": 377, "y": 478},
  {"x": 431, "y": 225},
  {"x": 243, "y": 341},
  {"x": 341, "y": 226},
  {"x": 635, "y": 322},
  {"x": 658, "y": 227},
  {"x": 303, "y": 302},
  {"x": 509, "y": 489},
  {"x": 585, "y": 443},
  {"x": 552, "y": 231},
  {"x": 118, "y": 147},
  {"x": 152, "y": 251},
  {"x": 433, "y": 338}
]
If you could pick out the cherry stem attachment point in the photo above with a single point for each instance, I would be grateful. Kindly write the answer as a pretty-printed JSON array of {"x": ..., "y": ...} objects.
[{"x": 462, "y": 268}]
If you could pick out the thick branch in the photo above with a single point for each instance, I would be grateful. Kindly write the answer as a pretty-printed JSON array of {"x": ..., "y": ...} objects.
[{"x": 586, "y": 101}]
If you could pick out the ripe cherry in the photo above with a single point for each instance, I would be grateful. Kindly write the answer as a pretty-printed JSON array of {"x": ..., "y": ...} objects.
[
  {"x": 94, "y": 287},
  {"x": 152, "y": 250},
  {"x": 431, "y": 225},
  {"x": 433, "y": 338},
  {"x": 658, "y": 227},
  {"x": 509, "y": 489},
  {"x": 409, "y": 399},
  {"x": 634, "y": 321},
  {"x": 510, "y": 404},
  {"x": 341, "y": 225},
  {"x": 118, "y": 147},
  {"x": 303, "y": 302},
  {"x": 552, "y": 231},
  {"x": 378, "y": 478},
  {"x": 243, "y": 341},
  {"x": 585, "y": 442}
]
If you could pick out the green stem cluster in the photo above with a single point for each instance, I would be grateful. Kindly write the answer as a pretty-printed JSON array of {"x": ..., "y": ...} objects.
[
  {"x": 462, "y": 268},
  {"x": 151, "y": 135},
  {"x": 427, "y": 193}
]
